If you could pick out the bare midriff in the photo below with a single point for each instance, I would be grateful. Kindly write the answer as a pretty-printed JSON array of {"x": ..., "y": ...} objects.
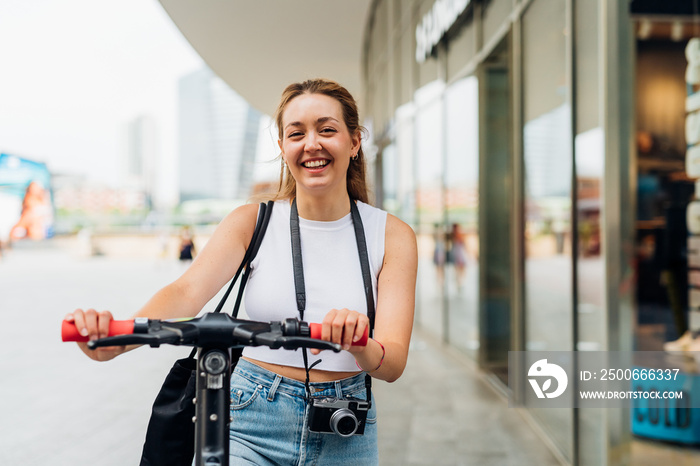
[{"x": 299, "y": 373}]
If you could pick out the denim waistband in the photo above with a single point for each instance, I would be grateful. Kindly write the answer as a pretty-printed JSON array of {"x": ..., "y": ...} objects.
[{"x": 276, "y": 383}]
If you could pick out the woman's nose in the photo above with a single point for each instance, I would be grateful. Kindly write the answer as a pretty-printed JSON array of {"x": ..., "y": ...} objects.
[{"x": 313, "y": 143}]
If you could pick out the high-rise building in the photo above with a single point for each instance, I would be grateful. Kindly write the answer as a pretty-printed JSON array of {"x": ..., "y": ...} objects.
[
  {"x": 218, "y": 133},
  {"x": 141, "y": 157}
]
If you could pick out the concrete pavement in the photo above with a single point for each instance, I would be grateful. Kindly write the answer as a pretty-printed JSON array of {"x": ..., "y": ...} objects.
[{"x": 60, "y": 408}]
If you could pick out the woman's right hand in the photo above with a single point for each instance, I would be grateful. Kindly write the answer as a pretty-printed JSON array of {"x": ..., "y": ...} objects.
[{"x": 94, "y": 325}]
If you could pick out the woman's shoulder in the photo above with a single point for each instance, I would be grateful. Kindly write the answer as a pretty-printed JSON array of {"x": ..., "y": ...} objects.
[
  {"x": 242, "y": 218},
  {"x": 238, "y": 226},
  {"x": 245, "y": 211},
  {"x": 398, "y": 229},
  {"x": 401, "y": 247}
]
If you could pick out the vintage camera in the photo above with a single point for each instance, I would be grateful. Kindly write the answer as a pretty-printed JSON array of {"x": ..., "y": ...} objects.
[{"x": 343, "y": 417}]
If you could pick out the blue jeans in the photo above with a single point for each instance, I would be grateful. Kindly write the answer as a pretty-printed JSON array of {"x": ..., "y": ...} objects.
[{"x": 270, "y": 419}]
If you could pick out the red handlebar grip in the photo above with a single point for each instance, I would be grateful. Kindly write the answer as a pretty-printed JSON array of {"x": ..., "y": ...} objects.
[
  {"x": 315, "y": 332},
  {"x": 116, "y": 327}
]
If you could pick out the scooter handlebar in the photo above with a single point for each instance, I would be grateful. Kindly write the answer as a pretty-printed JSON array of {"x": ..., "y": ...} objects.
[
  {"x": 315, "y": 333},
  {"x": 116, "y": 327},
  {"x": 126, "y": 327}
]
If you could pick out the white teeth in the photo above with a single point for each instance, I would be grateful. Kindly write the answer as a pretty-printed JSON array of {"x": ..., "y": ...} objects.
[{"x": 315, "y": 163}]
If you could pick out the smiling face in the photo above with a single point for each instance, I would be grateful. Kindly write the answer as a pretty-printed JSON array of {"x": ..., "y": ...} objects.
[{"x": 317, "y": 145}]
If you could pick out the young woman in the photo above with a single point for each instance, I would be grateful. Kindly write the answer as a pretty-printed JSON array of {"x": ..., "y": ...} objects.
[{"x": 323, "y": 172}]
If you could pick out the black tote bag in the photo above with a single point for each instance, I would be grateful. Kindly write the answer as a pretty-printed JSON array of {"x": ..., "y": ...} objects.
[{"x": 170, "y": 433}]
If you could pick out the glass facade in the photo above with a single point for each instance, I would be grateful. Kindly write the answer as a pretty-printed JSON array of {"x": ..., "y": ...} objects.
[
  {"x": 509, "y": 150},
  {"x": 461, "y": 223},
  {"x": 496, "y": 209},
  {"x": 547, "y": 197},
  {"x": 589, "y": 159},
  {"x": 430, "y": 201}
]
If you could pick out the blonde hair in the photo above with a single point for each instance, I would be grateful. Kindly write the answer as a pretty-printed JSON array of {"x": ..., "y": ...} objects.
[{"x": 356, "y": 175}]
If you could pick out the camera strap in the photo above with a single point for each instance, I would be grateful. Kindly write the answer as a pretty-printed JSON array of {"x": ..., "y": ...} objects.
[{"x": 300, "y": 287}]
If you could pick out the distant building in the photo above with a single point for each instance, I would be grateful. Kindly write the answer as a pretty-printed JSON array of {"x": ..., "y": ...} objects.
[
  {"x": 218, "y": 133},
  {"x": 141, "y": 158},
  {"x": 75, "y": 194}
]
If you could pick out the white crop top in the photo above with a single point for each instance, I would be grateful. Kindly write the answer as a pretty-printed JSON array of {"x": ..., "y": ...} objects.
[{"x": 332, "y": 276}]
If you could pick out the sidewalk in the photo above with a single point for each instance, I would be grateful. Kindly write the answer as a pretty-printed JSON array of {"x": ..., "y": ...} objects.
[
  {"x": 442, "y": 412},
  {"x": 61, "y": 408}
]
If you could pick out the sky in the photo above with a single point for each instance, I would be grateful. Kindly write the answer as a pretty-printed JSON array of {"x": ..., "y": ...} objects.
[{"x": 73, "y": 73}]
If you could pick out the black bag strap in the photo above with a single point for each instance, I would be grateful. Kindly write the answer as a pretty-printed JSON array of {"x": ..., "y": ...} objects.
[
  {"x": 255, "y": 242},
  {"x": 264, "y": 214}
]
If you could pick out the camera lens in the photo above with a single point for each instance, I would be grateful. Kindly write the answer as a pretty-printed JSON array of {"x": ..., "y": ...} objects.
[{"x": 343, "y": 422}]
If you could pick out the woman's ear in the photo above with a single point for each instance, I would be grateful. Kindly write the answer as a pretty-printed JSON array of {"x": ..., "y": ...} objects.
[{"x": 356, "y": 142}]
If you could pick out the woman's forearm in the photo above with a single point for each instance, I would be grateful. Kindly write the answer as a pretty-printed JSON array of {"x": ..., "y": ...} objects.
[
  {"x": 385, "y": 361},
  {"x": 172, "y": 301}
]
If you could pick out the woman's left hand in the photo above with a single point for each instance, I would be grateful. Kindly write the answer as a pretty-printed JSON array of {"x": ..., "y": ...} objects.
[{"x": 343, "y": 326}]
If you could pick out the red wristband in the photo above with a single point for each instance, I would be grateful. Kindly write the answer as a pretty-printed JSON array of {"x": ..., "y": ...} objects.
[{"x": 381, "y": 361}]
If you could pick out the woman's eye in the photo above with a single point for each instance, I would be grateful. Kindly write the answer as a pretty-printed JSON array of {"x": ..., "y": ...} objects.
[
  {"x": 294, "y": 134},
  {"x": 329, "y": 130}
]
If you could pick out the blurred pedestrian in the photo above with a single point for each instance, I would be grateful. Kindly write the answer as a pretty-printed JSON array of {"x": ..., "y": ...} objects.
[
  {"x": 439, "y": 252},
  {"x": 457, "y": 254},
  {"x": 187, "y": 249}
]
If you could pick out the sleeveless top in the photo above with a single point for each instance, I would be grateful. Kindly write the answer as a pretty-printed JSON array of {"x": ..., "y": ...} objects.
[{"x": 332, "y": 275}]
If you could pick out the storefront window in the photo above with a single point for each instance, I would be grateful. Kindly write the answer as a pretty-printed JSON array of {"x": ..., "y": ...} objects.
[
  {"x": 403, "y": 203},
  {"x": 432, "y": 252},
  {"x": 389, "y": 161},
  {"x": 495, "y": 212},
  {"x": 548, "y": 163},
  {"x": 589, "y": 148},
  {"x": 462, "y": 201},
  {"x": 665, "y": 226},
  {"x": 663, "y": 194}
]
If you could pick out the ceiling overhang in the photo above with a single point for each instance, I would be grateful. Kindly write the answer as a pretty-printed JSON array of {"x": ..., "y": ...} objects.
[{"x": 258, "y": 47}]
